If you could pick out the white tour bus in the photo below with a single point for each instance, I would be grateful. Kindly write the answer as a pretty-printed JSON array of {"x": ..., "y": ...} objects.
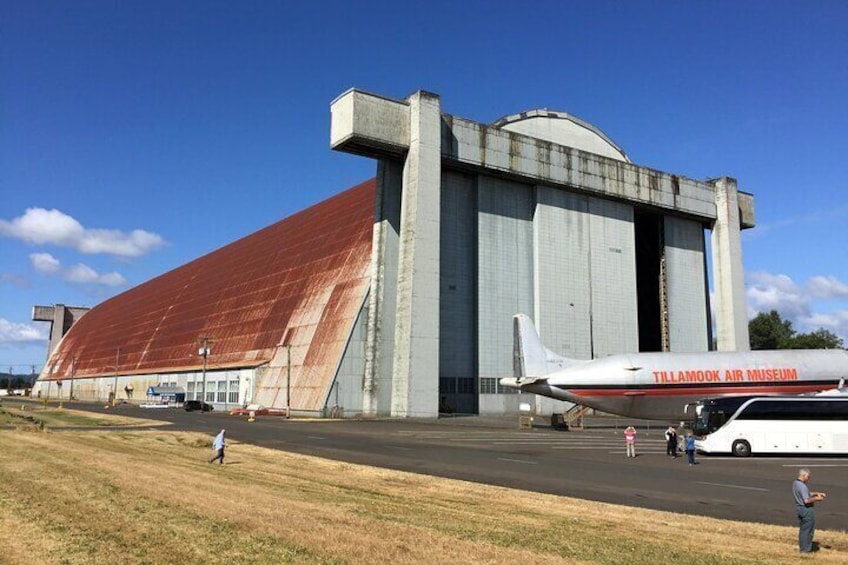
[{"x": 743, "y": 425}]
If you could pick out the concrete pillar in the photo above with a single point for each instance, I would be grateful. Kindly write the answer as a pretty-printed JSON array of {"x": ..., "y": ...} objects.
[
  {"x": 415, "y": 386},
  {"x": 731, "y": 311},
  {"x": 381, "y": 296},
  {"x": 61, "y": 319}
]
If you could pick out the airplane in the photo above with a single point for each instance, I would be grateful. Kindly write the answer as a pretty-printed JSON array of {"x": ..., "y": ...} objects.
[
  {"x": 657, "y": 386},
  {"x": 840, "y": 390}
]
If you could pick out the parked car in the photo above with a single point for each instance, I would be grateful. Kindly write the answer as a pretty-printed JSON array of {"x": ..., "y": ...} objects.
[{"x": 192, "y": 405}]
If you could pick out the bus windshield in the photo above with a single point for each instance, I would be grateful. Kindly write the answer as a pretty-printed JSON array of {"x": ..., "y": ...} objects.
[
  {"x": 709, "y": 420},
  {"x": 715, "y": 413}
]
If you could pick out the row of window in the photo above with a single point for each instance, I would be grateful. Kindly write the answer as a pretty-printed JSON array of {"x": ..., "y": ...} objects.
[
  {"x": 795, "y": 410},
  {"x": 458, "y": 385},
  {"x": 216, "y": 391},
  {"x": 493, "y": 386}
]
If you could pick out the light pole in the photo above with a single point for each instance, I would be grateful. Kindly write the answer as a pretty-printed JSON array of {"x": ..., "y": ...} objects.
[
  {"x": 50, "y": 382},
  {"x": 288, "y": 381},
  {"x": 204, "y": 352}
]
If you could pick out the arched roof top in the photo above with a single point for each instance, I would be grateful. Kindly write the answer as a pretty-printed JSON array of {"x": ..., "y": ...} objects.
[
  {"x": 300, "y": 281},
  {"x": 563, "y": 129}
]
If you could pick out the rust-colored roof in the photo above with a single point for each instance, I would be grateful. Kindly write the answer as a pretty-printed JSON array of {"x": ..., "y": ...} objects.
[{"x": 303, "y": 278}]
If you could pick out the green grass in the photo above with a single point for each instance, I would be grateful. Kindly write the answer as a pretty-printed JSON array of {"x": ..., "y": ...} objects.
[{"x": 30, "y": 415}]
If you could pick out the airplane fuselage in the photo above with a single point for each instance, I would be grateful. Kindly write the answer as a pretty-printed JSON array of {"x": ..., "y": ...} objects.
[{"x": 659, "y": 385}]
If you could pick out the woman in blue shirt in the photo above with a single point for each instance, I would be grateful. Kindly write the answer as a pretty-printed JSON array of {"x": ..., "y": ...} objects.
[{"x": 690, "y": 448}]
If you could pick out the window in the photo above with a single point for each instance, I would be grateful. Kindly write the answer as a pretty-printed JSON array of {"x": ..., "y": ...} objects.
[
  {"x": 222, "y": 391},
  {"x": 234, "y": 391},
  {"x": 488, "y": 386},
  {"x": 505, "y": 389},
  {"x": 447, "y": 385},
  {"x": 465, "y": 386}
]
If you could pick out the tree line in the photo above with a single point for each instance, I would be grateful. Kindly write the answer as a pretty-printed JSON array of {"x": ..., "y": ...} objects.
[
  {"x": 8, "y": 380},
  {"x": 768, "y": 330}
]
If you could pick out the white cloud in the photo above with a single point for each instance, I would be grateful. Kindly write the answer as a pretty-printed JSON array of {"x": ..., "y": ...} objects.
[
  {"x": 40, "y": 226},
  {"x": 797, "y": 303},
  {"x": 45, "y": 263},
  {"x": 15, "y": 280},
  {"x": 79, "y": 274},
  {"x": 827, "y": 287},
  {"x": 776, "y": 292},
  {"x": 83, "y": 274},
  {"x": 20, "y": 334}
]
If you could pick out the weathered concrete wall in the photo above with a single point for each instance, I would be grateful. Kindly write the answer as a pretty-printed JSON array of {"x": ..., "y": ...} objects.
[
  {"x": 552, "y": 235},
  {"x": 458, "y": 292},
  {"x": 346, "y": 392},
  {"x": 505, "y": 268},
  {"x": 61, "y": 319},
  {"x": 562, "y": 278},
  {"x": 731, "y": 311},
  {"x": 686, "y": 284},
  {"x": 415, "y": 383},
  {"x": 382, "y": 296},
  {"x": 562, "y": 129},
  {"x": 615, "y": 318}
]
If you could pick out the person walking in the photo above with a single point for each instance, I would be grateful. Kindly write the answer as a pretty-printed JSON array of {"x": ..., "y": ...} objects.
[
  {"x": 219, "y": 443},
  {"x": 690, "y": 448},
  {"x": 671, "y": 442},
  {"x": 630, "y": 440},
  {"x": 804, "y": 503}
]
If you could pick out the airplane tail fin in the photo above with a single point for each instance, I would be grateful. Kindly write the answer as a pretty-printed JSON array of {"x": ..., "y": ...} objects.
[{"x": 531, "y": 360}]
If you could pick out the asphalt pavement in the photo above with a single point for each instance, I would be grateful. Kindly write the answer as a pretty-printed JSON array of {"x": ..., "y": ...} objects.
[{"x": 588, "y": 464}]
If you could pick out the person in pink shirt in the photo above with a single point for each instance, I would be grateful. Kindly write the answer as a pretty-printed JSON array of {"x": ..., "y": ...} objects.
[{"x": 630, "y": 440}]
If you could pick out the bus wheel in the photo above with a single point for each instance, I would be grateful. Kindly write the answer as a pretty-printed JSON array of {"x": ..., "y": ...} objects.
[{"x": 741, "y": 448}]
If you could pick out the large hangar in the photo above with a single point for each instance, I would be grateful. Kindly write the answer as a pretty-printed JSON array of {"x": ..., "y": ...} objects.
[{"x": 395, "y": 298}]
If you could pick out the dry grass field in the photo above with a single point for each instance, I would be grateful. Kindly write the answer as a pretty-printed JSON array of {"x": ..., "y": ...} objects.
[{"x": 133, "y": 496}]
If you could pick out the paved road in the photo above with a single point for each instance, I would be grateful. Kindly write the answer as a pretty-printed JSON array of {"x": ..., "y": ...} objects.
[{"x": 586, "y": 464}]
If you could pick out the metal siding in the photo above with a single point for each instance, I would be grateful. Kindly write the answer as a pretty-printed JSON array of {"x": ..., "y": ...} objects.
[
  {"x": 307, "y": 273},
  {"x": 561, "y": 248},
  {"x": 505, "y": 269},
  {"x": 615, "y": 325},
  {"x": 458, "y": 305},
  {"x": 685, "y": 278},
  {"x": 346, "y": 390}
]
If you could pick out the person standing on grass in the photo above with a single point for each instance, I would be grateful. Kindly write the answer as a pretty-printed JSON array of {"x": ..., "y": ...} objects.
[
  {"x": 671, "y": 442},
  {"x": 804, "y": 503},
  {"x": 690, "y": 448},
  {"x": 219, "y": 443},
  {"x": 630, "y": 440}
]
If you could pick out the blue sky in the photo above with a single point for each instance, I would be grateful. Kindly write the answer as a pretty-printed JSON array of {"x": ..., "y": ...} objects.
[{"x": 137, "y": 136}]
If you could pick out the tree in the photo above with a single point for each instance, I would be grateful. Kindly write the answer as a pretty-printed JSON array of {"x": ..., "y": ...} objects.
[
  {"x": 770, "y": 331},
  {"x": 819, "y": 339}
]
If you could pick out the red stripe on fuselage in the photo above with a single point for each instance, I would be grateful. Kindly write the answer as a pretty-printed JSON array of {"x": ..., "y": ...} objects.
[{"x": 702, "y": 391}]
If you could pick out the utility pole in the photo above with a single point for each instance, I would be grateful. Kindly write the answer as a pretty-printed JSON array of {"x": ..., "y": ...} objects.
[
  {"x": 73, "y": 372},
  {"x": 204, "y": 352},
  {"x": 288, "y": 381},
  {"x": 115, "y": 386}
]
